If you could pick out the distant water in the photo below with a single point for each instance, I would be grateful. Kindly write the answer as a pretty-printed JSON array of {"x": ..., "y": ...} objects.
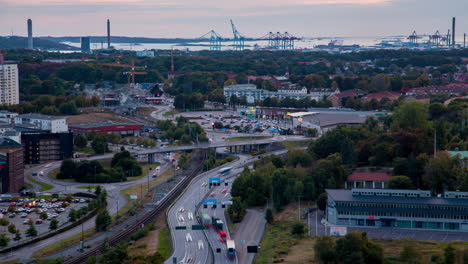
[
  {"x": 197, "y": 46},
  {"x": 306, "y": 43}
]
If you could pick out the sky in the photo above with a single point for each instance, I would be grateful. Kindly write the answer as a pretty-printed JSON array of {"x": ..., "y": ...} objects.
[{"x": 253, "y": 18}]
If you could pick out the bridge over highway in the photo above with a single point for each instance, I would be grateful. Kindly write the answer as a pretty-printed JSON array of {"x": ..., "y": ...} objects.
[{"x": 234, "y": 146}]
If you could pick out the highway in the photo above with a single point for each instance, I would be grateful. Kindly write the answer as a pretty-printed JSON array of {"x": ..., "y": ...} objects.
[{"x": 190, "y": 246}]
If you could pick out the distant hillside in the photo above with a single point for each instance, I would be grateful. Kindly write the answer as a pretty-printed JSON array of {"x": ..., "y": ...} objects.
[
  {"x": 117, "y": 39},
  {"x": 15, "y": 42}
]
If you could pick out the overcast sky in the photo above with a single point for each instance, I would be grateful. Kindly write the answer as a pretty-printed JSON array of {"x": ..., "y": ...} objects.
[{"x": 253, "y": 18}]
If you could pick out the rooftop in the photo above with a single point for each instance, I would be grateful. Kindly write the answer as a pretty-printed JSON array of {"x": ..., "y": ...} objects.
[
  {"x": 40, "y": 117},
  {"x": 369, "y": 176},
  {"x": 463, "y": 154},
  {"x": 8, "y": 143},
  {"x": 347, "y": 196},
  {"x": 100, "y": 124}
]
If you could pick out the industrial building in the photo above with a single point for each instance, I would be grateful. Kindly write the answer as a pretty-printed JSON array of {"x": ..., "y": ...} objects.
[
  {"x": 9, "y": 84},
  {"x": 122, "y": 129},
  {"x": 414, "y": 209},
  {"x": 251, "y": 93},
  {"x": 85, "y": 44},
  {"x": 11, "y": 166}
]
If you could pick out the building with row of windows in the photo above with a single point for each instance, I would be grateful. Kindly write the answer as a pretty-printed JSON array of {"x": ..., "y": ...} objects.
[
  {"x": 54, "y": 124},
  {"x": 398, "y": 208},
  {"x": 9, "y": 84}
]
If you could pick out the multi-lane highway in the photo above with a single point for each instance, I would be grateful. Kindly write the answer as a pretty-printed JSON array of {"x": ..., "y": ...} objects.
[{"x": 190, "y": 246}]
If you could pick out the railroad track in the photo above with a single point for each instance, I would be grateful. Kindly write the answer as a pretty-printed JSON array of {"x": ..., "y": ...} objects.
[{"x": 146, "y": 219}]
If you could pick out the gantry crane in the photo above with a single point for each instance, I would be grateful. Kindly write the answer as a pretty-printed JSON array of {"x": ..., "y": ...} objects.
[
  {"x": 131, "y": 73},
  {"x": 239, "y": 40}
]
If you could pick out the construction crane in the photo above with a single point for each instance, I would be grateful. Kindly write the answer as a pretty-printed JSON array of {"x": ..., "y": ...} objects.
[
  {"x": 172, "y": 57},
  {"x": 131, "y": 73},
  {"x": 239, "y": 40}
]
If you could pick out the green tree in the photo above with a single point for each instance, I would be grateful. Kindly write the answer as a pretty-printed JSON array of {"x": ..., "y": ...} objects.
[
  {"x": 322, "y": 201},
  {"x": 325, "y": 250},
  {"x": 442, "y": 172},
  {"x": 4, "y": 222},
  {"x": 81, "y": 141},
  {"x": 67, "y": 169},
  {"x": 269, "y": 216},
  {"x": 53, "y": 224},
  {"x": 4, "y": 240},
  {"x": 98, "y": 190},
  {"x": 99, "y": 145},
  {"x": 298, "y": 229},
  {"x": 411, "y": 116},
  {"x": 12, "y": 228},
  {"x": 449, "y": 255},
  {"x": 43, "y": 215},
  {"x": 31, "y": 231},
  {"x": 17, "y": 236},
  {"x": 400, "y": 182},
  {"x": 103, "y": 221},
  {"x": 72, "y": 215},
  {"x": 68, "y": 108},
  {"x": 236, "y": 210}
]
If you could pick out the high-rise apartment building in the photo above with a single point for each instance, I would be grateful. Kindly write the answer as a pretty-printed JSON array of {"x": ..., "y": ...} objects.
[{"x": 9, "y": 85}]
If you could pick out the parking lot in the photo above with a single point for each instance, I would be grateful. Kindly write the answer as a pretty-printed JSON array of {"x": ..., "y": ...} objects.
[
  {"x": 25, "y": 210},
  {"x": 390, "y": 233}
]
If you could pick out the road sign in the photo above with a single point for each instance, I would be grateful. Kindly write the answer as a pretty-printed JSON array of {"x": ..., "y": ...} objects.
[
  {"x": 210, "y": 202},
  {"x": 180, "y": 227},
  {"x": 197, "y": 227},
  {"x": 174, "y": 260},
  {"x": 133, "y": 196},
  {"x": 338, "y": 230}
]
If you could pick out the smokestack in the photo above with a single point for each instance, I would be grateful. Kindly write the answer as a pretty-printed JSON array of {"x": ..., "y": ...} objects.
[
  {"x": 453, "y": 32},
  {"x": 108, "y": 34},
  {"x": 30, "y": 36}
]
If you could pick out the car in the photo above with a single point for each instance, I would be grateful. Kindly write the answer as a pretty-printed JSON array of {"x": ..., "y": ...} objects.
[
  {"x": 212, "y": 194},
  {"x": 41, "y": 173},
  {"x": 12, "y": 215},
  {"x": 24, "y": 215},
  {"x": 54, "y": 215},
  {"x": 38, "y": 221},
  {"x": 47, "y": 165},
  {"x": 82, "y": 201},
  {"x": 26, "y": 221},
  {"x": 154, "y": 175},
  {"x": 224, "y": 191}
]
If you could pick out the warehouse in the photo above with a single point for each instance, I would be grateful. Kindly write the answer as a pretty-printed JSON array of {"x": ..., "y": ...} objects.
[
  {"x": 122, "y": 129},
  {"x": 413, "y": 209}
]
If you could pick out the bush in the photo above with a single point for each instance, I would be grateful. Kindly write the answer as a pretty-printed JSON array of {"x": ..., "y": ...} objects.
[{"x": 298, "y": 229}]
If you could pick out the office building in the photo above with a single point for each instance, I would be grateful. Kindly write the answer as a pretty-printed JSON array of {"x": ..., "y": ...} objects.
[
  {"x": 382, "y": 208},
  {"x": 44, "y": 147},
  {"x": 109, "y": 127},
  {"x": 53, "y": 124},
  {"x": 9, "y": 84},
  {"x": 85, "y": 45},
  {"x": 251, "y": 93},
  {"x": 11, "y": 166}
]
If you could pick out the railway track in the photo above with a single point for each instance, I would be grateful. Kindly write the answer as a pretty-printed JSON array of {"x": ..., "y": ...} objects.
[{"x": 145, "y": 220}]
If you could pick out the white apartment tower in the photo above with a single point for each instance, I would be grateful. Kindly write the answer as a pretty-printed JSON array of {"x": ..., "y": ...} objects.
[{"x": 9, "y": 85}]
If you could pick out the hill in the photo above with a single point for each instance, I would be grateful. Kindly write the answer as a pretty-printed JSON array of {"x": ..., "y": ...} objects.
[
  {"x": 15, "y": 42},
  {"x": 121, "y": 39}
]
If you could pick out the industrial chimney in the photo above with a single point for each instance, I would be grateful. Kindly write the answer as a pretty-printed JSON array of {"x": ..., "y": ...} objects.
[
  {"x": 453, "y": 32},
  {"x": 108, "y": 34},
  {"x": 30, "y": 36}
]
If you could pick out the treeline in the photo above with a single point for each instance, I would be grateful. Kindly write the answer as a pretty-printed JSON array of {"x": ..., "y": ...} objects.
[
  {"x": 123, "y": 165},
  {"x": 182, "y": 131},
  {"x": 53, "y": 105}
]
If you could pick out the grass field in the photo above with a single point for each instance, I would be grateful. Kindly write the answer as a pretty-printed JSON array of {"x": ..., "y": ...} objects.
[
  {"x": 170, "y": 113},
  {"x": 164, "y": 245},
  {"x": 44, "y": 186},
  {"x": 62, "y": 244},
  {"x": 85, "y": 150}
]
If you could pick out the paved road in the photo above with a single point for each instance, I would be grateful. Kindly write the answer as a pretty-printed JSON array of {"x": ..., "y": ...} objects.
[
  {"x": 190, "y": 246},
  {"x": 249, "y": 233}
]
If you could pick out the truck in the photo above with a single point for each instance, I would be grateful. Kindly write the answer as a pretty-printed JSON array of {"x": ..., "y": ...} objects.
[{"x": 206, "y": 219}]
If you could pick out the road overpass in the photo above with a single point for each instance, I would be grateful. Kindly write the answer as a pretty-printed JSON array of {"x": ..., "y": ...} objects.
[{"x": 234, "y": 146}]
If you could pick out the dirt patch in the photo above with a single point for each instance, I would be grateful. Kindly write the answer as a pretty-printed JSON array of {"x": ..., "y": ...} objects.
[
  {"x": 96, "y": 117},
  {"x": 301, "y": 253}
]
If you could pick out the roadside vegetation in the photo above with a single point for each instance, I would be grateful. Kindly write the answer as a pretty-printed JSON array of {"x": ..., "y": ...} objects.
[{"x": 44, "y": 186}]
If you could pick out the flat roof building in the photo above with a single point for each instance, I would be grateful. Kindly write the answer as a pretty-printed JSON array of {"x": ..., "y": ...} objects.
[
  {"x": 54, "y": 124},
  {"x": 123, "y": 129},
  {"x": 415, "y": 209},
  {"x": 11, "y": 166}
]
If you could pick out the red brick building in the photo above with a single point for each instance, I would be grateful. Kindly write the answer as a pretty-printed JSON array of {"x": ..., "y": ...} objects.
[
  {"x": 11, "y": 166},
  {"x": 122, "y": 129}
]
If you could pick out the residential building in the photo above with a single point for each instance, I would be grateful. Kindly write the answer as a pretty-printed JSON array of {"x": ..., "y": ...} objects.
[
  {"x": 320, "y": 93},
  {"x": 381, "y": 95},
  {"x": 453, "y": 88},
  {"x": 292, "y": 89},
  {"x": 54, "y": 124},
  {"x": 463, "y": 156},
  {"x": 369, "y": 180},
  {"x": 11, "y": 166},
  {"x": 7, "y": 117},
  {"x": 122, "y": 129},
  {"x": 415, "y": 209},
  {"x": 337, "y": 98},
  {"x": 9, "y": 84}
]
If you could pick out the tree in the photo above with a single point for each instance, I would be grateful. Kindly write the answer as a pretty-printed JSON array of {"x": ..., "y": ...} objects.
[
  {"x": 325, "y": 250},
  {"x": 67, "y": 169},
  {"x": 380, "y": 82},
  {"x": 4, "y": 222},
  {"x": 81, "y": 141},
  {"x": 298, "y": 229},
  {"x": 411, "y": 116},
  {"x": 53, "y": 224},
  {"x": 99, "y": 145},
  {"x": 72, "y": 215},
  {"x": 31, "y": 231},
  {"x": 43, "y": 215},
  {"x": 269, "y": 216},
  {"x": 17, "y": 236},
  {"x": 4, "y": 240},
  {"x": 449, "y": 255},
  {"x": 12, "y": 228},
  {"x": 103, "y": 221},
  {"x": 236, "y": 210},
  {"x": 400, "y": 182},
  {"x": 409, "y": 254},
  {"x": 322, "y": 201},
  {"x": 68, "y": 108},
  {"x": 442, "y": 172},
  {"x": 98, "y": 190}
]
